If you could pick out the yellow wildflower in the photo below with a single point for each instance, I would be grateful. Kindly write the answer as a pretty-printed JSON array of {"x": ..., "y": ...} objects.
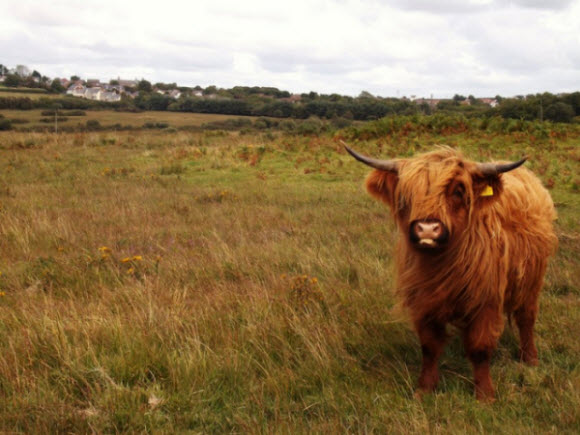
[
  {"x": 131, "y": 271},
  {"x": 126, "y": 260},
  {"x": 105, "y": 250},
  {"x": 137, "y": 258}
]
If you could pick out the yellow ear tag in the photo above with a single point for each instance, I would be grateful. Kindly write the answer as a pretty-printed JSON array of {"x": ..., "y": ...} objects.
[{"x": 488, "y": 191}]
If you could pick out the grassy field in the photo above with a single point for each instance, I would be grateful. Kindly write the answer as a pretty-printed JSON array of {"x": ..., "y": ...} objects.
[
  {"x": 32, "y": 93},
  {"x": 107, "y": 118},
  {"x": 210, "y": 282}
]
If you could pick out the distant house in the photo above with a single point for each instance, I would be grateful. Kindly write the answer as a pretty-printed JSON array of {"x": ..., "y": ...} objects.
[
  {"x": 76, "y": 90},
  {"x": 93, "y": 93},
  {"x": 109, "y": 96},
  {"x": 197, "y": 93},
  {"x": 489, "y": 101},
  {"x": 294, "y": 98},
  {"x": 173, "y": 93},
  {"x": 113, "y": 88},
  {"x": 127, "y": 83},
  {"x": 65, "y": 83},
  {"x": 94, "y": 83},
  {"x": 431, "y": 102}
]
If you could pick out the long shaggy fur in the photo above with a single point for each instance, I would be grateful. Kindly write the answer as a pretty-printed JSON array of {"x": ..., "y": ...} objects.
[{"x": 497, "y": 252}]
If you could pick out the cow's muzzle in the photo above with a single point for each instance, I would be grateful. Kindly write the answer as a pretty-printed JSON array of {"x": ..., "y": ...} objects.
[{"x": 428, "y": 233}]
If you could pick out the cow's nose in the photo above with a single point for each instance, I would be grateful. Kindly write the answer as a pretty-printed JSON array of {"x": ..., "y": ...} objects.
[{"x": 428, "y": 230}]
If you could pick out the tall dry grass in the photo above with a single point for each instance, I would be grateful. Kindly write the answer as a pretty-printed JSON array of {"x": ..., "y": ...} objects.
[{"x": 210, "y": 283}]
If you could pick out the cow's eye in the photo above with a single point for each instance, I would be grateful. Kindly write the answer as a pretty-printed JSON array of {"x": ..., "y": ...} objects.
[{"x": 459, "y": 191}]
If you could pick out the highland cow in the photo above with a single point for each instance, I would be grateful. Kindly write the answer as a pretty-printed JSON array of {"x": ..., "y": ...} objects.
[{"x": 474, "y": 241}]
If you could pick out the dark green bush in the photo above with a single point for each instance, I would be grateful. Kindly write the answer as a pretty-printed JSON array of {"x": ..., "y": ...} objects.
[
  {"x": 159, "y": 125},
  {"x": 93, "y": 125},
  {"x": 5, "y": 124}
]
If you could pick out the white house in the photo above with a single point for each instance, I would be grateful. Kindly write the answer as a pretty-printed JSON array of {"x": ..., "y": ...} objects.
[
  {"x": 76, "y": 90},
  {"x": 93, "y": 93},
  {"x": 109, "y": 96},
  {"x": 490, "y": 101}
]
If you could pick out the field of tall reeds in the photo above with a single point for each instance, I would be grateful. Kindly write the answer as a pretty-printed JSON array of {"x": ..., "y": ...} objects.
[{"x": 203, "y": 282}]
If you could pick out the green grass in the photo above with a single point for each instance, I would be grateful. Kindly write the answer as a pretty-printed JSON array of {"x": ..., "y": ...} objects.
[
  {"x": 108, "y": 118},
  {"x": 255, "y": 295},
  {"x": 32, "y": 93}
]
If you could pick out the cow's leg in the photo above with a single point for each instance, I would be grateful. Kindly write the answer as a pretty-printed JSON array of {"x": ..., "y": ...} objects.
[
  {"x": 432, "y": 336},
  {"x": 525, "y": 319},
  {"x": 480, "y": 340},
  {"x": 527, "y": 312}
]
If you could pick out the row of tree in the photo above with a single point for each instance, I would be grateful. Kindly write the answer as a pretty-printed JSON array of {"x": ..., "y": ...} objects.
[
  {"x": 27, "y": 79},
  {"x": 564, "y": 108},
  {"x": 273, "y": 102},
  {"x": 545, "y": 106},
  {"x": 350, "y": 108},
  {"x": 68, "y": 103}
]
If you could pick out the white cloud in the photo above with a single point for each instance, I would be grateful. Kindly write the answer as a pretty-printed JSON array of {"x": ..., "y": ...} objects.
[{"x": 387, "y": 47}]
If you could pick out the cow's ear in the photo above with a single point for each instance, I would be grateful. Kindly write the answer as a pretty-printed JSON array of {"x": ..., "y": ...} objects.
[
  {"x": 487, "y": 189},
  {"x": 382, "y": 185}
]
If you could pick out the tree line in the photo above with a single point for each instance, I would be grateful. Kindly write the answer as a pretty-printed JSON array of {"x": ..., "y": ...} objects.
[
  {"x": 272, "y": 102},
  {"x": 546, "y": 106}
]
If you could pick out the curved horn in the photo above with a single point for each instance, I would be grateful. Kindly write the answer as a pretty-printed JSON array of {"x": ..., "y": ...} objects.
[
  {"x": 383, "y": 165},
  {"x": 493, "y": 169}
]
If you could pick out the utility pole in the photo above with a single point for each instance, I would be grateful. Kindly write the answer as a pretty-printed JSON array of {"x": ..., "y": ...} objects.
[{"x": 56, "y": 107}]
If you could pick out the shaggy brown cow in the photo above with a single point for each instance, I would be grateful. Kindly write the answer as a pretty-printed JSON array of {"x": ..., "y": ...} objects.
[{"x": 474, "y": 241}]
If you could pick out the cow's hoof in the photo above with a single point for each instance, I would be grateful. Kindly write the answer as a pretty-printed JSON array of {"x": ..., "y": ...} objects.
[
  {"x": 530, "y": 360},
  {"x": 486, "y": 399},
  {"x": 485, "y": 396},
  {"x": 420, "y": 394}
]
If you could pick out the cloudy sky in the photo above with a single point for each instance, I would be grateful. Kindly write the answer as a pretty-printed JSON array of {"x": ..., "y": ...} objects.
[{"x": 386, "y": 47}]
